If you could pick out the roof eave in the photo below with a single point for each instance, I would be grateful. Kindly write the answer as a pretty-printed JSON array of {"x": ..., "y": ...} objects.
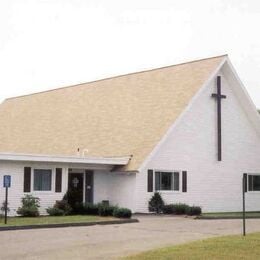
[{"x": 64, "y": 159}]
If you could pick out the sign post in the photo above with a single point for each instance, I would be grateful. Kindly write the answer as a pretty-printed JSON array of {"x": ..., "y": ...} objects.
[
  {"x": 7, "y": 184},
  {"x": 244, "y": 189}
]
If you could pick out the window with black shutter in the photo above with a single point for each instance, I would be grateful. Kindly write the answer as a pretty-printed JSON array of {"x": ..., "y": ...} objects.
[
  {"x": 42, "y": 179},
  {"x": 167, "y": 181}
]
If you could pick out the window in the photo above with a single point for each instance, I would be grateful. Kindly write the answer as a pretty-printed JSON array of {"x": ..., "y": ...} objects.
[
  {"x": 42, "y": 179},
  {"x": 167, "y": 181},
  {"x": 253, "y": 182}
]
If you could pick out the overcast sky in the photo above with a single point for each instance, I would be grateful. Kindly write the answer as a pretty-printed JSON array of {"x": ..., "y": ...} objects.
[{"x": 46, "y": 44}]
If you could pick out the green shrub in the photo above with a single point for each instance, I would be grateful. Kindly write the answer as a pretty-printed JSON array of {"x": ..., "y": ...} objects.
[
  {"x": 55, "y": 211},
  {"x": 5, "y": 206},
  {"x": 156, "y": 203},
  {"x": 105, "y": 210},
  {"x": 168, "y": 209},
  {"x": 78, "y": 208},
  {"x": 72, "y": 198},
  {"x": 94, "y": 209},
  {"x": 194, "y": 211},
  {"x": 180, "y": 208},
  {"x": 63, "y": 205},
  {"x": 90, "y": 209},
  {"x": 60, "y": 208},
  {"x": 30, "y": 206},
  {"x": 122, "y": 213}
]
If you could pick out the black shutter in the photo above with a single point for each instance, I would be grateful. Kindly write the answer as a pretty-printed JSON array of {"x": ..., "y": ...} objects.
[
  {"x": 250, "y": 182},
  {"x": 150, "y": 181},
  {"x": 176, "y": 180},
  {"x": 184, "y": 181},
  {"x": 157, "y": 180},
  {"x": 245, "y": 176},
  {"x": 27, "y": 179},
  {"x": 58, "y": 180}
]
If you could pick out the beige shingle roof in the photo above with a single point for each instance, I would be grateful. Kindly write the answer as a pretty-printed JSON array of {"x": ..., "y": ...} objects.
[{"x": 112, "y": 117}]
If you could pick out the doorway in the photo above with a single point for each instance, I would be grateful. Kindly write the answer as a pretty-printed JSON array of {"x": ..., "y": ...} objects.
[
  {"x": 75, "y": 188},
  {"x": 80, "y": 186}
]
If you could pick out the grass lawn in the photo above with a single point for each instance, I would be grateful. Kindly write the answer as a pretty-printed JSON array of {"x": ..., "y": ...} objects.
[
  {"x": 22, "y": 221},
  {"x": 229, "y": 247},
  {"x": 231, "y": 214}
]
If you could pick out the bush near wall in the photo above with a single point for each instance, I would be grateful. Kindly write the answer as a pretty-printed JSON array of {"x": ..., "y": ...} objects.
[
  {"x": 30, "y": 206},
  {"x": 60, "y": 208},
  {"x": 85, "y": 209},
  {"x": 105, "y": 210},
  {"x": 55, "y": 211},
  {"x": 181, "y": 209},
  {"x": 156, "y": 203},
  {"x": 122, "y": 213},
  {"x": 194, "y": 211},
  {"x": 99, "y": 209}
]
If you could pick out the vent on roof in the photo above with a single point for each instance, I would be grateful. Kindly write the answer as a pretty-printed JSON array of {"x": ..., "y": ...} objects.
[{"x": 84, "y": 152}]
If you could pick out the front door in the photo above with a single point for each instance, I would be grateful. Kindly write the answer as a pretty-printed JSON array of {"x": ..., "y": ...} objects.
[{"x": 75, "y": 188}]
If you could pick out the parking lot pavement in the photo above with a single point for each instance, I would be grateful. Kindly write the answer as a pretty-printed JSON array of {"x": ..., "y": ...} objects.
[{"x": 113, "y": 241}]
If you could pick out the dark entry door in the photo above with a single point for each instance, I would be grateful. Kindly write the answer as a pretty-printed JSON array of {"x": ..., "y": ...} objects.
[
  {"x": 75, "y": 188},
  {"x": 89, "y": 187}
]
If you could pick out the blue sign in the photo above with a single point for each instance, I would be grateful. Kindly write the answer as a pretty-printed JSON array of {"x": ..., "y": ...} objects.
[{"x": 7, "y": 181}]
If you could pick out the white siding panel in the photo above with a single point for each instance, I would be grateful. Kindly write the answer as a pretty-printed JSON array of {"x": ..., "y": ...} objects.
[
  {"x": 122, "y": 190},
  {"x": 101, "y": 186}
]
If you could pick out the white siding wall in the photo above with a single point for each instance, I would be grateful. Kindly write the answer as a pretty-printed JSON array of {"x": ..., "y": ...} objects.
[
  {"x": 117, "y": 188},
  {"x": 192, "y": 146},
  {"x": 16, "y": 170},
  {"x": 122, "y": 189},
  {"x": 101, "y": 184}
]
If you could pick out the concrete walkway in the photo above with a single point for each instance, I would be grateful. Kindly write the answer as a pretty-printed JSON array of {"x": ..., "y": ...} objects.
[{"x": 107, "y": 242}]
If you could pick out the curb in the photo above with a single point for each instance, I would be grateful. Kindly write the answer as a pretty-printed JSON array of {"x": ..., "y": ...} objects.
[
  {"x": 227, "y": 217},
  {"x": 62, "y": 225}
]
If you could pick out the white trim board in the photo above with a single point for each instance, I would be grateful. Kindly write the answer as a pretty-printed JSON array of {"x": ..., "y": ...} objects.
[{"x": 64, "y": 159}]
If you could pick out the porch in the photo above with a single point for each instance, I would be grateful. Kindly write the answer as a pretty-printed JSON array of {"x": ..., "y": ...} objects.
[{"x": 50, "y": 177}]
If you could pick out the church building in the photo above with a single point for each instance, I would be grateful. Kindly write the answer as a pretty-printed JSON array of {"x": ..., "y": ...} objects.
[{"x": 189, "y": 131}]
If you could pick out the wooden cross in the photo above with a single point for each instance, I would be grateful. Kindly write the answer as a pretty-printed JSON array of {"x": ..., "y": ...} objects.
[{"x": 218, "y": 97}]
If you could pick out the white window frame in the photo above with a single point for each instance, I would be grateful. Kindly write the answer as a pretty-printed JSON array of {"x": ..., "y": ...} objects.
[
  {"x": 168, "y": 191},
  {"x": 252, "y": 191},
  {"x": 52, "y": 180}
]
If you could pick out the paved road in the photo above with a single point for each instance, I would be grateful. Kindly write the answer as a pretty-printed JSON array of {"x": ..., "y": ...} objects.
[{"x": 107, "y": 242}]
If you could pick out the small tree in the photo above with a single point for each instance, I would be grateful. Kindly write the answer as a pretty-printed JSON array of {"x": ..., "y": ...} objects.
[
  {"x": 30, "y": 206},
  {"x": 5, "y": 206},
  {"x": 156, "y": 203}
]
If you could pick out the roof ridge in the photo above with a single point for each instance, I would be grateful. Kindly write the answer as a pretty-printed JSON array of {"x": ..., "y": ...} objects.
[{"x": 118, "y": 76}]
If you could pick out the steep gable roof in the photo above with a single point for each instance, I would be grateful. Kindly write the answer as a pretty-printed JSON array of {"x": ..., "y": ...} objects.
[{"x": 124, "y": 115}]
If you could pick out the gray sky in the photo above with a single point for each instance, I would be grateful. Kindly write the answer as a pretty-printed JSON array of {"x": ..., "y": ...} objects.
[{"x": 46, "y": 44}]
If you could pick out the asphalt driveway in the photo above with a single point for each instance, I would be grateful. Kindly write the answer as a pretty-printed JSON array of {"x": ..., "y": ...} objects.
[{"x": 113, "y": 241}]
